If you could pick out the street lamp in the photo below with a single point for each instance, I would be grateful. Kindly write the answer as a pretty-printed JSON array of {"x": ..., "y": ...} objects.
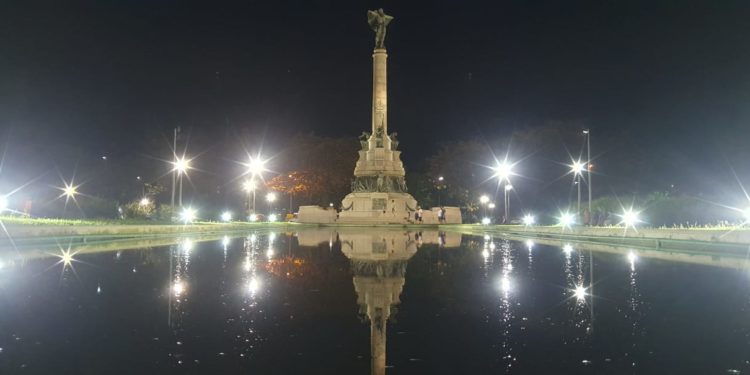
[
  {"x": 181, "y": 165},
  {"x": 249, "y": 187},
  {"x": 508, "y": 187},
  {"x": 503, "y": 171},
  {"x": 484, "y": 200},
  {"x": 577, "y": 169},
  {"x": 256, "y": 166},
  {"x": 270, "y": 198},
  {"x": 439, "y": 187}
]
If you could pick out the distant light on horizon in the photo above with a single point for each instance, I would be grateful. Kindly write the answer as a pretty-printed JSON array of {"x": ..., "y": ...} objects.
[
  {"x": 629, "y": 218},
  {"x": 253, "y": 217},
  {"x": 226, "y": 216},
  {"x": 486, "y": 221},
  {"x": 566, "y": 219},
  {"x": 529, "y": 220},
  {"x": 144, "y": 202},
  {"x": 188, "y": 215},
  {"x": 272, "y": 217}
]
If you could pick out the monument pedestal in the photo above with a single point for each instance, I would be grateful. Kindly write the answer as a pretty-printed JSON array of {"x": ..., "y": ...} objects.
[{"x": 377, "y": 208}]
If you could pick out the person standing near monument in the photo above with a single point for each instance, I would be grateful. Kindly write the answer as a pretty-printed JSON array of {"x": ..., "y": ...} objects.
[{"x": 419, "y": 214}]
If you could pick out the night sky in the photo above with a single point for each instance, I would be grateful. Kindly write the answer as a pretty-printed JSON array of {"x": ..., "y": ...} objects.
[{"x": 99, "y": 77}]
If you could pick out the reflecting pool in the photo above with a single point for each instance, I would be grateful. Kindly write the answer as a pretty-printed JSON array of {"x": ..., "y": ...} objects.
[{"x": 354, "y": 301}]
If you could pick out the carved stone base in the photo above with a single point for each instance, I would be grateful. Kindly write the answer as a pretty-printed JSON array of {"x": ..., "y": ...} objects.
[{"x": 377, "y": 208}]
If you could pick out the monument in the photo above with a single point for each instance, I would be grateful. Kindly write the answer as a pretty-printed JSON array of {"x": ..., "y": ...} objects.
[{"x": 379, "y": 194}]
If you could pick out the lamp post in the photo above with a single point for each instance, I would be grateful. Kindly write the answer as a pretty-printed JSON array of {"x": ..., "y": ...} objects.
[
  {"x": 587, "y": 133},
  {"x": 174, "y": 161},
  {"x": 484, "y": 200},
  {"x": 181, "y": 165},
  {"x": 440, "y": 186},
  {"x": 577, "y": 169},
  {"x": 508, "y": 187},
  {"x": 270, "y": 198},
  {"x": 503, "y": 171},
  {"x": 249, "y": 187}
]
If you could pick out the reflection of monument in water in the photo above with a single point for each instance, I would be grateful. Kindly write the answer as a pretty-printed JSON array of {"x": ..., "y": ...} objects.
[
  {"x": 379, "y": 194},
  {"x": 378, "y": 262}
]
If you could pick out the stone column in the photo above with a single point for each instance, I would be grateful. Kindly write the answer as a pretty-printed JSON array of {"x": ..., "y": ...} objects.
[{"x": 379, "y": 91}]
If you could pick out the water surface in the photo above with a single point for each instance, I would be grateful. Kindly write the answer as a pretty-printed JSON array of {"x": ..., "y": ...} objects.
[{"x": 358, "y": 302}]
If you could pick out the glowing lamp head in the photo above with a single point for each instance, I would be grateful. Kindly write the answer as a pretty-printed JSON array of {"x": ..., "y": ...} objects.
[
  {"x": 508, "y": 187},
  {"x": 441, "y": 178},
  {"x": 70, "y": 191},
  {"x": 629, "y": 218},
  {"x": 491, "y": 205},
  {"x": 270, "y": 197},
  {"x": 503, "y": 170},
  {"x": 181, "y": 165},
  {"x": 484, "y": 199},
  {"x": 226, "y": 216},
  {"x": 272, "y": 217},
  {"x": 256, "y": 166},
  {"x": 577, "y": 167},
  {"x": 529, "y": 220},
  {"x": 486, "y": 221},
  {"x": 188, "y": 215},
  {"x": 253, "y": 217},
  {"x": 746, "y": 214}
]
